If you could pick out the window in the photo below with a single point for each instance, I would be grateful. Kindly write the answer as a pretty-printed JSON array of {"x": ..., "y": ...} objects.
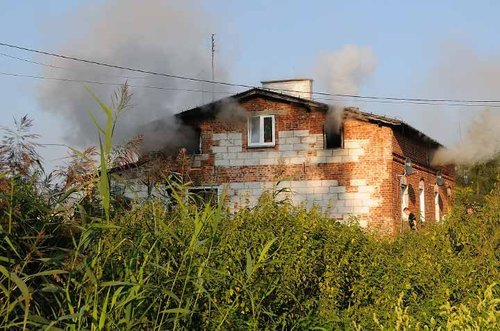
[
  {"x": 193, "y": 144},
  {"x": 204, "y": 194},
  {"x": 198, "y": 136},
  {"x": 261, "y": 131},
  {"x": 437, "y": 209},
  {"x": 421, "y": 187},
  {"x": 405, "y": 198},
  {"x": 333, "y": 137}
]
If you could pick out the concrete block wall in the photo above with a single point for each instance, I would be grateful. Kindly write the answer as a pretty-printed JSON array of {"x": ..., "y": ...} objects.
[
  {"x": 333, "y": 199},
  {"x": 294, "y": 147}
]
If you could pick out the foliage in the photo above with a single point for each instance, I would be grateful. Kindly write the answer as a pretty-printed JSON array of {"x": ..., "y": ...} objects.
[{"x": 155, "y": 266}]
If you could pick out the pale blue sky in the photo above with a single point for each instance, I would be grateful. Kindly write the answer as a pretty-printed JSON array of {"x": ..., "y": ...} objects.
[{"x": 281, "y": 39}]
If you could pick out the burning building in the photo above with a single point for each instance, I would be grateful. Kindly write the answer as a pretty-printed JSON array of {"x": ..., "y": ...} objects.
[{"x": 344, "y": 161}]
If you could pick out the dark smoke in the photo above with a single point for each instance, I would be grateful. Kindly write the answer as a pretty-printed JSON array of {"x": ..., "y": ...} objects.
[
  {"x": 229, "y": 110},
  {"x": 154, "y": 35},
  {"x": 334, "y": 119}
]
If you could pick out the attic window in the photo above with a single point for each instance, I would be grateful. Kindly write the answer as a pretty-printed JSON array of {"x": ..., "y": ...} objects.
[
  {"x": 261, "y": 131},
  {"x": 194, "y": 144},
  {"x": 198, "y": 141},
  {"x": 333, "y": 138}
]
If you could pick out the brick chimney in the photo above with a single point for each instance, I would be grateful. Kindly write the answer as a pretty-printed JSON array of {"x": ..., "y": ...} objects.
[{"x": 301, "y": 88}]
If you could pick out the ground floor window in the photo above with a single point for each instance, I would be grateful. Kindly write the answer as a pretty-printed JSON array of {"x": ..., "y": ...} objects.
[
  {"x": 202, "y": 195},
  {"x": 405, "y": 198},
  {"x": 437, "y": 208},
  {"x": 422, "y": 200}
]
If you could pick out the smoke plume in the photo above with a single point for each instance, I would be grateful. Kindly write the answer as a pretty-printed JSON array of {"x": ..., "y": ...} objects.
[
  {"x": 344, "y": 71},
  {"x": 482, "y": 142},
  {"x": 229, "y": 110},
  {"x": 463, "y": 73},
  {"x": 154, "y": 35},
  {"x": 334, "y": 119}
]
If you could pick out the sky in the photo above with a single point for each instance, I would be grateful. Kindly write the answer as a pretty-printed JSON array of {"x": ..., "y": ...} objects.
[{"x": 421, "y": 49}]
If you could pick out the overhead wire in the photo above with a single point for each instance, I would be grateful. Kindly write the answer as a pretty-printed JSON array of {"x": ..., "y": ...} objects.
[
  {"x": 451, "y": 104},
  {"x": 62, "y": 68},
  {"x": 421, "y": 101},
  {"x": 176, "y": 89},
  {"x": 70, "y": 80}
]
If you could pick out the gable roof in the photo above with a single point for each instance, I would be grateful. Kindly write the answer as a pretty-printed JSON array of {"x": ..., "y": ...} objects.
[{"x": 210, "y": 110}]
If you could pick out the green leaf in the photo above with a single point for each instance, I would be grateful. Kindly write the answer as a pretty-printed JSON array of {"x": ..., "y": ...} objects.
[
  {"x": 46, "y": 273},
  {"x": 249, "y": 266},
  {"x": 116, "y": 283},
  {"x": 177, "y": 311},
  {"x": 265, "y": 250},
  {"x": 19, "y": 282},
  {"x": 104, "y": 310}
]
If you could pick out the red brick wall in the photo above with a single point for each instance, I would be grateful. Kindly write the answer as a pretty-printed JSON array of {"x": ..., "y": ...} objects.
[
  {"x": 380, "y": 166},
  {"x": 421, "y": 155}
]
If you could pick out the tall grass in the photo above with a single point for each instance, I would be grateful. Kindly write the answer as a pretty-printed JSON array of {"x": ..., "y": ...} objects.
[{"x": 67, "y": 264}]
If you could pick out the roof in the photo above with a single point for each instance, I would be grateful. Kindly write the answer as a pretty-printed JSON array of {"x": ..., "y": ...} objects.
[{"x": 209, "y": 110}]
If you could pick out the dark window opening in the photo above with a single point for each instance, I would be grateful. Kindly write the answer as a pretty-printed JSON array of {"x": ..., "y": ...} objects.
[
  {"x": 194, "y": 144},
  {"x": 204, "y": 195},
  {"x": 333, "y": 138}
]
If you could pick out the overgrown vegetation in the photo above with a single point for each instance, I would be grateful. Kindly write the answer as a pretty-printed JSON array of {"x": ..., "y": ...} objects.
[{"x": 72, "y": 257}]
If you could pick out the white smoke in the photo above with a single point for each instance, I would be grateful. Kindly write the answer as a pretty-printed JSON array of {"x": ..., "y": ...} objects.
[
  {"x": 482, "y": 142},
  {"x": 464, "y": 74},
  {"x": 345, "y": 70},
  {"x": 152, "y": 34}
]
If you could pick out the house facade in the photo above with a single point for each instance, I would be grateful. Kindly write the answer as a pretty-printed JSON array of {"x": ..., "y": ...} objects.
[{"x": 345, "y": 162}]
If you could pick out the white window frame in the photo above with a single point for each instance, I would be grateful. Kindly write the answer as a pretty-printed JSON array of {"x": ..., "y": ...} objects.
[
  {"x": 422, "y": 200},
  {"x": 261, "y": 142},
  {"x": 405, "y": 198},
  {"x": 437, "y": 208}
]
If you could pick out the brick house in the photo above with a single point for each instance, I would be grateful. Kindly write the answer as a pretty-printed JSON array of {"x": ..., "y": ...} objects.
[{"x": 251, "y": 140}]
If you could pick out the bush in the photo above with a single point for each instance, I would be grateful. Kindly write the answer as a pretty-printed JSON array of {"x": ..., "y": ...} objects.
[
  {"x": 275, "y": 266},
  {"x": 72, "y": 263}
]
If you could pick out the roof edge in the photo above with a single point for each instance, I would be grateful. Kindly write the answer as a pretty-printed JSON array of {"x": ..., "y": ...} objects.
[{"x": 210, "y": 109}]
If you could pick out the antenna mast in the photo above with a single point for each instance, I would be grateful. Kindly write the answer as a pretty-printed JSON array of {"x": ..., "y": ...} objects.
[{"x": 213, "y": 67}]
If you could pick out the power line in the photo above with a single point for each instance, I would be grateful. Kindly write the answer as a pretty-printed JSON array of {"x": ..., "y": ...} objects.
[
  {"x": 62, "y": 68},
  {"x": 124, "y": 67},
  {"x": 354, "y": 96},
  {"x": 452, "y": 104},
  {"x": 171, "y": 89},
  {"x": 109, "y": 83}
]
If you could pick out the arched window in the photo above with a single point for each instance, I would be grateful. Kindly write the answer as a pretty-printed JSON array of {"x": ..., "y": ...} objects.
[
  {"x": 405, "y": 198},
  {"x": 421, "y": 198},
  {"x": 437, "y": 208}
]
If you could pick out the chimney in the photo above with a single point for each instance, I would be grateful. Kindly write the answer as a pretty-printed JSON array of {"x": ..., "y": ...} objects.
[{"x": 301, "y": 88}]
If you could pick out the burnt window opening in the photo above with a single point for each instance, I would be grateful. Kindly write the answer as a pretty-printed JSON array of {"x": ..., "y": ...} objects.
[
  {"x": 194, "y": 145},
  {"x": 334, "y": 137}
]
